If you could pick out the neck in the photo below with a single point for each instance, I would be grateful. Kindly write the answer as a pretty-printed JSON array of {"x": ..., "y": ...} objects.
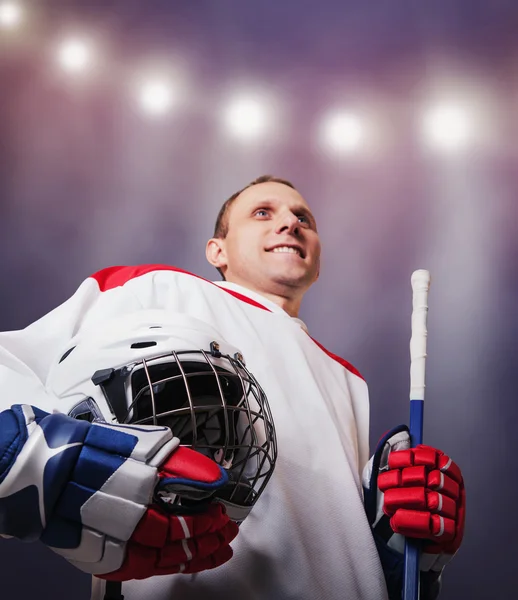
[{"x": 285, "y": 301}]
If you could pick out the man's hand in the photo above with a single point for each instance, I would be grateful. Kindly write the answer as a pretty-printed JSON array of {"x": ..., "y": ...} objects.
[
  {"x": 425, "y": 498},
  {"x": 419, "y": 493},
  {"x": 93, "y": 493}
]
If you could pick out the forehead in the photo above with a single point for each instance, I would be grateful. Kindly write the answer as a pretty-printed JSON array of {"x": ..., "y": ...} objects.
[{"x": 276, "y": 194}]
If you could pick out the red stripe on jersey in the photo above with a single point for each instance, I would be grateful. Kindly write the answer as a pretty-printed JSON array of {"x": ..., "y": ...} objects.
[
  {"x": 245, "y": 299},
  {"x": 340, "y": 360},
  {"x": 113, "y": 277}
]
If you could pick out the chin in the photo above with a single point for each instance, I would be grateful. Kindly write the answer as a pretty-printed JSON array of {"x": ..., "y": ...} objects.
[{"x": 292, "y": 279}]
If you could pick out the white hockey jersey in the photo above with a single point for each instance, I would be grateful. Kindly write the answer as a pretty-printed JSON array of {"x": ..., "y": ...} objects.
[{"x": 307, "y": 538}]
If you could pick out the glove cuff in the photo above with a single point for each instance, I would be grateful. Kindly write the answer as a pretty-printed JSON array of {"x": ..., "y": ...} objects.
[{"x": 377, "y": 463}]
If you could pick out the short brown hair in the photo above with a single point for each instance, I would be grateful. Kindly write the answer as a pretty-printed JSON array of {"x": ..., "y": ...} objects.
[{"x": 221, "y": 226}]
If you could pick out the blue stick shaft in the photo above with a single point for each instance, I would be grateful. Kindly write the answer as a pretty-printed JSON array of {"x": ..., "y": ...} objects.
[{"x": 412, "y": 547}]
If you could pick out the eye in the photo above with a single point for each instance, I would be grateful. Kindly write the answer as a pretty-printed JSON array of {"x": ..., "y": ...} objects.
[{"x": 261, "y": 212}]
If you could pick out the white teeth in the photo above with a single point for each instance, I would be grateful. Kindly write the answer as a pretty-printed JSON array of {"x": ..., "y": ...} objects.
[{"x": 286, "y": 249}]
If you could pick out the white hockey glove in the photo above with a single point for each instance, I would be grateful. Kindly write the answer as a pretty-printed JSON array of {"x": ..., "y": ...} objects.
[{"x": 93, "y": 493}]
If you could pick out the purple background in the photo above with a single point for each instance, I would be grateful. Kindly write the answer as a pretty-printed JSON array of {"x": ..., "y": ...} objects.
[{"x": 86, "y": 182}]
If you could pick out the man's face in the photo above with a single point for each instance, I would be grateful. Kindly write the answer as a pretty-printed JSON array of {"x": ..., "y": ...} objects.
[{"x": 272, "y": 242}]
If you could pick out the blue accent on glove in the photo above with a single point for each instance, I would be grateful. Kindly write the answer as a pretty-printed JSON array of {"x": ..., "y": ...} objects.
[
  {"x": 111, "y": 440},
  {"x": 87, "y": 456},
  {"x": 61, "y": 533},
  {"x": 18, "y": 517},
  {"x": 14, "y": 436},
  {"x": 92, "y": 468},
  {"x": 71, "y": 501},
  {"x": 201, "y": 485},
  {"x": 95, "y": 467},
  {"x": 60, "y": 430}
]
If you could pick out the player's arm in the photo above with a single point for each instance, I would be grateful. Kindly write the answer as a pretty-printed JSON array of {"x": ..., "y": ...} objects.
[
  {"x": 27, "y": 355},
  {"x": 52, "y": 467}
]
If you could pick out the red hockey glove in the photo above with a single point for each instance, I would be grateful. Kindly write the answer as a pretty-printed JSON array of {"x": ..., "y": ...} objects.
[
  {"x": 422, "y": 494},
  {"x": 163, "y": 543},
  {"x": 425, "y": 497}
]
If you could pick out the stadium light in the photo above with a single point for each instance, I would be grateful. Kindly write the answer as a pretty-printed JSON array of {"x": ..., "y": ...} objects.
[
  {"x": 74, "y": 55},
  {"x": 10, "y": 15},
  {"x": 246, "y": 118},
  {"x": 447, "y": 127},
  {"x": 341, "y": 132},
  {"x": 155, "y": 97}
]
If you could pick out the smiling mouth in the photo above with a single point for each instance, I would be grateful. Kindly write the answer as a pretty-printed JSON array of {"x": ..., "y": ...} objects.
[{"x": 287, "y": 250}]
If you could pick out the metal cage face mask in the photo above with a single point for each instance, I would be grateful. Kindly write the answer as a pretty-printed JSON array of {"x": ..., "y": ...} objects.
[{"x": 211, "y": 402}]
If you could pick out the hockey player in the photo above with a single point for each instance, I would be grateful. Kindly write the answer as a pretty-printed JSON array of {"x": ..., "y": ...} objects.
[{"x": 328, "y": 523}]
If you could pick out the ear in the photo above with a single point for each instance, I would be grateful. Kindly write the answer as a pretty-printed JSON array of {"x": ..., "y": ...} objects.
[{"x": 216, "y": 254}]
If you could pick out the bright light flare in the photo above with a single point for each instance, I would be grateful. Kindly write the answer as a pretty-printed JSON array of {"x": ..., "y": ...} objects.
[
  {"x": 342, "y": 132},
  {"x": 448, "y": 127},
  {"x": 74, "y": 55},
  {"x": 156, "y": 97},
  {"x": 10, "y": 15},
  {"x": 247, "y": 118}
]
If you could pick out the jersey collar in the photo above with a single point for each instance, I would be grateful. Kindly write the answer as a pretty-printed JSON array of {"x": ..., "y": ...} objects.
[{"x": 271, "y": 306}]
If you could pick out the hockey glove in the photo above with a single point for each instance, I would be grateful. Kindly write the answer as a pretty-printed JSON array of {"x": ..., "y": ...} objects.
[
  {"x": 418, "y": 493},
  {"x": 95, "y": 493}
]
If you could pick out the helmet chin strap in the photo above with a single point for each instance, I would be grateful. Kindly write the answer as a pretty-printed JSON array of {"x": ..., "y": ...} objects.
[
  {"x": 237, "y": 497},
  {"x": 235, "y": 512}
]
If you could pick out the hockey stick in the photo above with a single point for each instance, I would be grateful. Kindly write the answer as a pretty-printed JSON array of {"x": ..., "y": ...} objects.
[{"x": 420, "y": 286}]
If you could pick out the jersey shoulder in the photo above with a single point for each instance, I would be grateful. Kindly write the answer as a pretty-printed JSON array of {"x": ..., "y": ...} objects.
[{"x": 117, "y": 276}]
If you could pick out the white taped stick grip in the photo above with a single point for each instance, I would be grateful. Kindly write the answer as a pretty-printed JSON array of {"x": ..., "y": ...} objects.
[{"x": 420, "y": 285}]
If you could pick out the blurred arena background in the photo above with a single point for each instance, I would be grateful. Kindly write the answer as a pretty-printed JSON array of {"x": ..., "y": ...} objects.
[{"x": 124, "y": 125}]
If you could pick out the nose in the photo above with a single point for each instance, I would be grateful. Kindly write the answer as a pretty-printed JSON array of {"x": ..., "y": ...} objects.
[{"x": 288, "y": 223}]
